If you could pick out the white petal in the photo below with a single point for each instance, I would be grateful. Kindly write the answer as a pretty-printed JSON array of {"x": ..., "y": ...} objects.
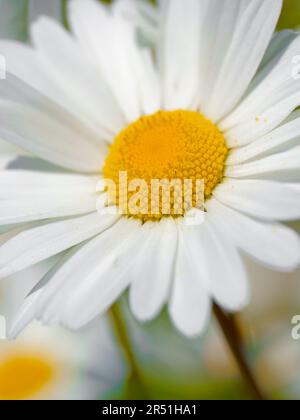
[
  {"x": 80, "y": 277},
  {"x": 24, "y": 317},
  {"x": 243, "y": 34},
  {"x": 41, "y": 134},
  {"x": 19, "y": 183},
  {"x": 26, "y": 209},
  {"x": 110, "y": 41},
  {"x": 107, "y": 282},
  {"x": 37, "y": 244},
  {"x": 262, "y": 199},
  {"x": 190, "y": 302},
  {"x": 153, "y": 272},
  {"x": 146, "y": 74},
  {"x": 272, "y": 244},
  {"x": 274, "y": 94},
  {"x": 88, "y": 95},
  {"x": 66, "y": 76},
  {"x": 226, "y": 272},
  {"x": 275, "y": 165},
  {"x": 23, "y": 62},
  {"x": 287, "y": 135},
  {"x": 179, "y": 52},
  {"x": 43, "y": 281},
  {"x": 279, "y": 43},
  {"x": 143, "y": 14}
]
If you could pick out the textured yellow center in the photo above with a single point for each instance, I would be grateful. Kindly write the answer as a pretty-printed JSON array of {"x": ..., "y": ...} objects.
[
  {"x": 22, "y": 376},
  {"x": 168, "y": 145}
]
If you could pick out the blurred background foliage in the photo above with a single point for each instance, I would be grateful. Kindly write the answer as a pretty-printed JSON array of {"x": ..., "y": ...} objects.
[
  {"x": 170, "y": 366},
  {"x": 290, "y": 16},
  {"x": 14, "y": 15}
]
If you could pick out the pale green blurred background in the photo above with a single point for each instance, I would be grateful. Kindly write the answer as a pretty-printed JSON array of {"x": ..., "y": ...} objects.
[{"x": 169, "y": 365}]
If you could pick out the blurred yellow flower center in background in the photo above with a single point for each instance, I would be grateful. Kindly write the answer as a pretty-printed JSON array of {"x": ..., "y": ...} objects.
[
  {"x": 24, "y": 375},
  {"x": 167, "y": 145}
]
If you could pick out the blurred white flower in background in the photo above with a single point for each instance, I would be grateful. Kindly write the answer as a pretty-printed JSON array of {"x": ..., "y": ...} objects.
[{"x": 52, "y": 363}]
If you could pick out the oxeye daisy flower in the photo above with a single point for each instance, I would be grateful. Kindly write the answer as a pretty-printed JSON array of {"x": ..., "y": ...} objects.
[{"x": 194, "y": 90}]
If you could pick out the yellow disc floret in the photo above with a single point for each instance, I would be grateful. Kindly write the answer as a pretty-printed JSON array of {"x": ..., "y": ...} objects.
[{"x": 169, "y": 145}]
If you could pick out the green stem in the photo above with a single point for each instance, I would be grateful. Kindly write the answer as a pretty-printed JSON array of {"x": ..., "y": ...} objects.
[
  {"x": 230, "y": 329},
  {"x": 122, "y": 336}
]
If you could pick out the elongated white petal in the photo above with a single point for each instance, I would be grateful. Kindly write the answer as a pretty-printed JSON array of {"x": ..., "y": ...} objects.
[
  {"x": 99, "y": 32},
  {"x": 285, "y": 136},
  {"x": 40, "y": 134},
  {"x": 17, "y": 88},
  {"x": 274, "y": 245},
  {"x": 26, "y": 209},
  {"x": 64, "y": 74},
  {"x": 24, "y": 317},
  {"x": 179, "y": 52},
  {"x": 274, "y": 94},
  {"x": 82, "y": 273},
  {"x": 262, "y": 199},
  {"x": 265, "y": 121},
  {"x": 27, "y": 100},
  {"x": 251, "y": 25},
  {"x": 146, "y": 75},
  {"x": 19, "y": 183},
  {"x": 190, "y": 302},
  {"x": 143, "y": 14},
  {"x": 274, "y": 165},
  {"x": 281, "y": 50},
  {"x": 87, "y": 93},
  {"x": 39, "y": 243},
  {"x": 153, "y": 272},
  {"x": 217, "y": 258},
  {"x": 280, "y": 42},
  {"x": 106, "y": 283},
  {"x": 212, "y": 61},
  {"x": 23, "y": 62}
]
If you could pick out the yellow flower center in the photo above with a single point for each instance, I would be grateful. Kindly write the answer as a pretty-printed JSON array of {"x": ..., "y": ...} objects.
[
  {"x": 23, "y": 375},
  {"x": 171, "y": 146}
]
